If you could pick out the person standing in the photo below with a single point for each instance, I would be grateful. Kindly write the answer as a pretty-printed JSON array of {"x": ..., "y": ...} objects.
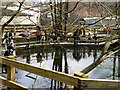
[
  {"x": 38, "y": 33},
  {"x": 42, "y": 35},
  {"x": 6, "y": 36},
  {"x": 10, "y": 34}
]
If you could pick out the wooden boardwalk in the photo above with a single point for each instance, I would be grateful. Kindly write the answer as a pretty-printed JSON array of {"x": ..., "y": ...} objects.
[
  {"x": 75, "y": 81},
  {"x": 64, "y": 43}
]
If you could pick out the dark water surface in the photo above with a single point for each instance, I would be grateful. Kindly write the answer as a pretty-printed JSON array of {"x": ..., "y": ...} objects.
[{"x": 64, "y": 59}]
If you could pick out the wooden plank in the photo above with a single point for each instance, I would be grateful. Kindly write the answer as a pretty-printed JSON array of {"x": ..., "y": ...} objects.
[{"x": 12, "y": 84}]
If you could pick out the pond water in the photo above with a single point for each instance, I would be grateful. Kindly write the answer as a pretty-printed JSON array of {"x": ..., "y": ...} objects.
[{"x": 64, "y": 59}]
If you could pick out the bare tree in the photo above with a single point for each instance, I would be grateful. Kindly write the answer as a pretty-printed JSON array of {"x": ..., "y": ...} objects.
[
  {"x": 13, "y": 16},
  {"x": 59, "y": 14}
]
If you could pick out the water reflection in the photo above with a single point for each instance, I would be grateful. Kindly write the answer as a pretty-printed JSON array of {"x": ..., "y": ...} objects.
[
  {"x": 85, "y": 52},
  {"x": 77, "y": 54},
  {"x": 95, "y": 54},
  {"x": 57, "y": 64},
  {"x": 60, "y": 52},
  {"x": 28, "y": 57},
  {"x": 68, "y": 60},
  {"x": 114, "y": 66},
  {"x": 90, "y": 52},
  {"x": 39, "y": 58},
  {"x": 119, "y": 65}
]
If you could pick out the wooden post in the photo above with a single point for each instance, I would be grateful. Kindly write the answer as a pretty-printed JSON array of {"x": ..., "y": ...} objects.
[
  {"x": 81, "y": 75},
  {"x": 11, "y": 72}
]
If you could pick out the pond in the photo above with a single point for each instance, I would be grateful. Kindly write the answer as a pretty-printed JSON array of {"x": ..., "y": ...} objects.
[{"x": 68, "y": 60}]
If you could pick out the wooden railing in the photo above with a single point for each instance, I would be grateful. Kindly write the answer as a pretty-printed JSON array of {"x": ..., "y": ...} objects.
[
  {"x": 68, "y": 42},
  {"x": 59, "y": 76}
]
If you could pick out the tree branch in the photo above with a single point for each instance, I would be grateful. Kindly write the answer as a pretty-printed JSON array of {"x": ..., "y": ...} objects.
[
  {"x": 100, "y": 60},
  {"x": 103, "y": 17},
  {"x": 73, "y": 8},
  {"x": 5, "y": 24}
]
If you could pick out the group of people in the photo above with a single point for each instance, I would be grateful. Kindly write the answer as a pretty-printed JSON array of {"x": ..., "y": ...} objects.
[
  {"x": 78, "y": 32},
  {"x": 8, "y": 46}
]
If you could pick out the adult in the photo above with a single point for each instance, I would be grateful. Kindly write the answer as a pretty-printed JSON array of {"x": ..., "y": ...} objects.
[
  {"x": 6, "y": 36},
  {"x": 10, "y": 48},
  {"x": 28, "y": 34},
  {"x": 76, "y": 34},
  {"x": 38, "y": 33},
  {"x": 42, "y": 35},
  {"x": 10, "y": 34}
]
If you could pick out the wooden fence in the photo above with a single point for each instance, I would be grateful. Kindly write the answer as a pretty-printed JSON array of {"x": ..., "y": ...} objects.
[{"x": 59, "y": 76}]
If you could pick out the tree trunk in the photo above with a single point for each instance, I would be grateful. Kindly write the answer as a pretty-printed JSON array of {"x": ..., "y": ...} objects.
[
  {"x": 66, "y": 17},
  {"x": 55, "y": 20},
  {"x": 118, "y": 22},
  {"x": 104, "y": 55},
  {"x": 52, "y": 16},
  {"x": 0, "y": 21}
]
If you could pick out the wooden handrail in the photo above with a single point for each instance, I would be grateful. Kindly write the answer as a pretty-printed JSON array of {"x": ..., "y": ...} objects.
[
  {"x": 80, "y": 41},
  {"x": 62, "y": 77}
]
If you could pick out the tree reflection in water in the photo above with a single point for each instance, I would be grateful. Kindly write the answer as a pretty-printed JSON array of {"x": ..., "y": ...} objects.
[
  {"x": 58, "y": 64},
  {"x": 59, "y": 57},
  {"x": 89, "y": 51},
  {"x": 84, "y": 53},
  {"x": 114, "y": 66},
  {"x": 95, "y": 54},
  {"x": 119, "y": 65},
  {"x": 77, "y": 53},
  {"x": 28, "y": 56}
]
